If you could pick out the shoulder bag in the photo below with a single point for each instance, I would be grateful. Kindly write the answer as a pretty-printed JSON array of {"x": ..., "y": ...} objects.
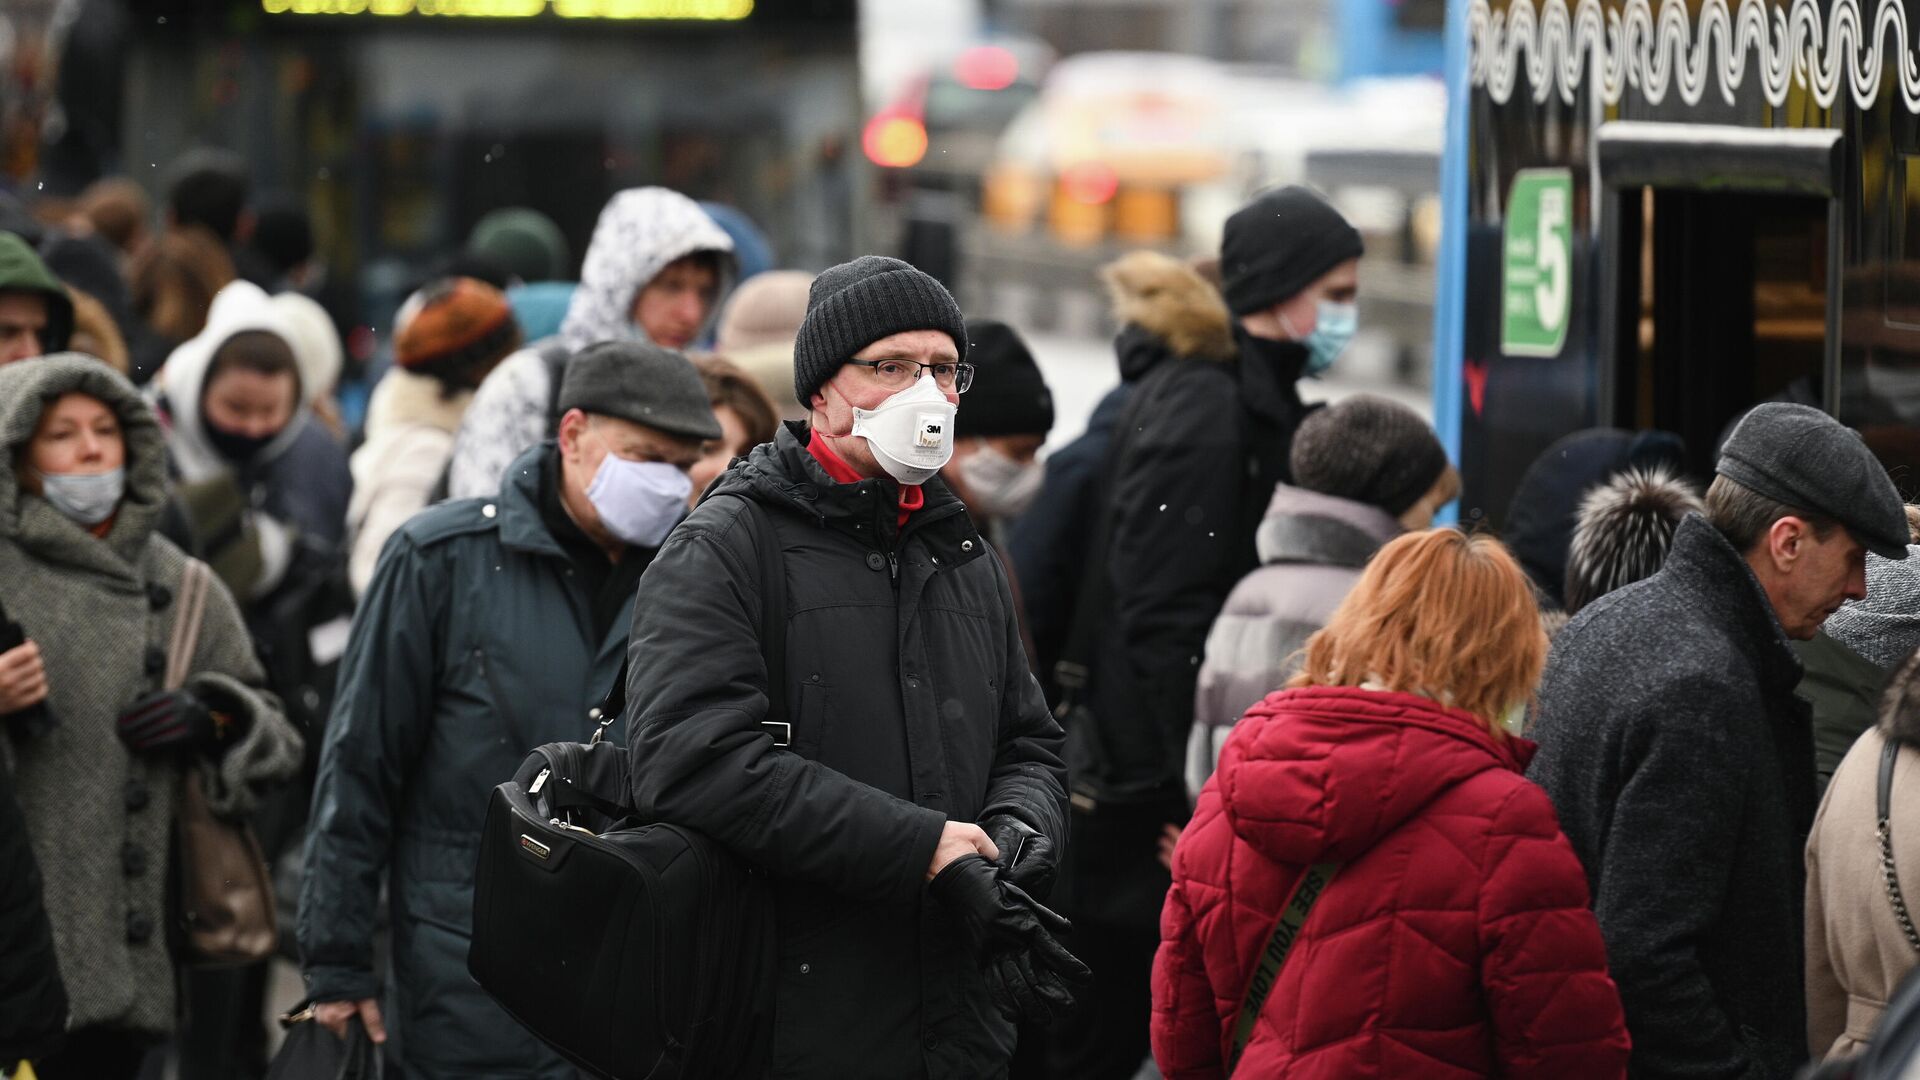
[{"x": 224, "y": 897}]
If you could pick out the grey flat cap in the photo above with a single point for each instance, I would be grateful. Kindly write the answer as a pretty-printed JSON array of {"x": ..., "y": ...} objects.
[
  {"x": 1800, "y": 456},
  {"x": 649, "y": 385}
]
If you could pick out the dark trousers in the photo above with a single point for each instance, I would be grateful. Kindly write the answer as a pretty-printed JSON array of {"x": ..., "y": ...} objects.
[
  {"x": 1104, "y": 1037},
  {"x": 97, "y": 1054}
]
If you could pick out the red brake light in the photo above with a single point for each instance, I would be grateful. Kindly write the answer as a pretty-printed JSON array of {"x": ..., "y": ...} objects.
[
  {"x": 1089, "y": 182},
  {"x": 894, "y": 141},
  {"x": 986, "y": 67}
]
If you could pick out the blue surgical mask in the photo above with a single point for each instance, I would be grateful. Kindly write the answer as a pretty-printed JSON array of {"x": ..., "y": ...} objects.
[
  {"x": 1333, "y": 328},
  {"x": 87, "y": 498},
  {"x": 639, "y": 501}
]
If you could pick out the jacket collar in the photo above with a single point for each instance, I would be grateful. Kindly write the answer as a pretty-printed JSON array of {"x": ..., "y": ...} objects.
[
  {"x": 1703, "y": 563},
  {"x": 1270, "y": 372},
  {"x": 521, "y": 527},
  {"x": 784, "y": 474},
  {"x": 1308, "y": 527}
]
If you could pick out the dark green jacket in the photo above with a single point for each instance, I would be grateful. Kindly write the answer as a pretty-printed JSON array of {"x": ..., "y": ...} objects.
[
  {"x": 22, "y": 271},
  {"x": 473, "y": 645},
  {"x": 1844, "y": 689}
]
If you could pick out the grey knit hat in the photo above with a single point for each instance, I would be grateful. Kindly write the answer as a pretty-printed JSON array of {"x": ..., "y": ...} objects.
[
  {"x": 855, "y": 304},
  {"x": 644, "y": 383},
  {"x": 1803, "y": 458},
  {"x": 1370, "y": 450}
]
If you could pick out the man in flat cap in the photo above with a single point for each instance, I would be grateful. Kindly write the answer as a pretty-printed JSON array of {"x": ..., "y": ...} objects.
[
  {"x": 491, "y": 626},
  {"x": 1681, "y": 762}
]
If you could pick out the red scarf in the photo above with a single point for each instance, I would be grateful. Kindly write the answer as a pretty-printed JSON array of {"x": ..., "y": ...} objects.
[{"x": 911, "y": 497}]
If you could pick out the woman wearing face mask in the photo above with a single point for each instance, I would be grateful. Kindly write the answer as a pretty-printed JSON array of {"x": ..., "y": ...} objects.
[
  {"x": 1365, "y": 469},
  {"x": 998, "y": 436},
  {"x": 93, "y": 585},
  {"x": 1450, "y": 911},
  {"x": 266, "y": 487}
]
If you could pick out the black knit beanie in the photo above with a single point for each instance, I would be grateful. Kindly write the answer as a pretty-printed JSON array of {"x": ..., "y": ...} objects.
[
  {"x": 1280, "y": 243},
  {"x": 1008, "y": 397},
  {"x": 857, "y": 303},
  {"x": 1370, "y": 450}
]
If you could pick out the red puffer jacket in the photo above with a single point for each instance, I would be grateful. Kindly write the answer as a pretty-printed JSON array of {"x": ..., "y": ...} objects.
[{"x": 1454, "y": 941}]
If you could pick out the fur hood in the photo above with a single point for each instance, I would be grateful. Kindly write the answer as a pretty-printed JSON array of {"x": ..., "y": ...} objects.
[
  {"x": 1170, "y": 300},
  {"x": 1624, "y": 531},
  {"x": 639, "y": 233}
]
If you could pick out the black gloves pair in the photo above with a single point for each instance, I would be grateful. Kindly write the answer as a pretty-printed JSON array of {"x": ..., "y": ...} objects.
[
  {"x": 1030, "y": 974},
  {"x": 172, "y": 720},
  {"x": 1026, "y": 855}
]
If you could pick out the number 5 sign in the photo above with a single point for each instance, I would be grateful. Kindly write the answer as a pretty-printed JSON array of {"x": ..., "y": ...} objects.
[{"x": 1536, "y": 291}]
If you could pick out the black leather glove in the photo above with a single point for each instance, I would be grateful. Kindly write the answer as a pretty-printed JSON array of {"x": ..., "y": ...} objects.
[
  {"x": 1030, "y": 974},
  {"x": 1027, "y": 857},
  {"x": 167, "y": 720}
]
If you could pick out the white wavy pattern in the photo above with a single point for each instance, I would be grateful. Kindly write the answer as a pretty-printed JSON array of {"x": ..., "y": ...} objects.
[{"x": 1629, "y": 46}]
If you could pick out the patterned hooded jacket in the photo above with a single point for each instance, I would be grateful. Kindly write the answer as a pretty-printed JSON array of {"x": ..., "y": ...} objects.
[
  {"x": 100, "y": 609},
  {"x": 640, "y": 232}
]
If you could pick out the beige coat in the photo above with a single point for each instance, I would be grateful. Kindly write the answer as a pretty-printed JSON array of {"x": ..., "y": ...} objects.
[
  {"x": 1856, "y": 953},
  {"x": 410, "y": 428}
]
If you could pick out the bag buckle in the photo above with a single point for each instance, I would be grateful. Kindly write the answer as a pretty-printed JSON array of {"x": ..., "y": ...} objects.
[{"x": 785, "y": 737}]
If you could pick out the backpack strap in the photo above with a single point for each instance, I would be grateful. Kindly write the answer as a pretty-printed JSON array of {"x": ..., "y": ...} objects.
[
  {"x": 1883, "y": 831},
  {"x": 1266, "y": 972},
  {"x": 773, "y": 632}
]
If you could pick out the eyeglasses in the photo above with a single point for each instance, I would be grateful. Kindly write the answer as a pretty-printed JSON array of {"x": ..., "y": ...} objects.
[{"x": 896, "y": 374}]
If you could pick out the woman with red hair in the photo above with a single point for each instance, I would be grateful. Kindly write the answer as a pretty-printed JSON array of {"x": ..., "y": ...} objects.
[{"x": 1436, "y": 921}]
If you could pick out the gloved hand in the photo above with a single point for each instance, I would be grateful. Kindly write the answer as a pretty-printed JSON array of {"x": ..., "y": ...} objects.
[
  {"x": 1030, "y": 974},
  {"x": 166, "y": 720},
  {"x": 1027, "y": 857}
]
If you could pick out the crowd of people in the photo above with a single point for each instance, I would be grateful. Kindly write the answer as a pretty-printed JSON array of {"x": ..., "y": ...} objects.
[{"x": 1190, "y": 745}]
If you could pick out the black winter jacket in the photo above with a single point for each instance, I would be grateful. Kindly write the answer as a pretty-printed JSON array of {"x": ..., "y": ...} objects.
[
  {"x": 1681, "y": 765},
  {"x": 910, "y": 703},
  {"x": 33, "y": 1000},
  {"x": 1202, "y": 444}
]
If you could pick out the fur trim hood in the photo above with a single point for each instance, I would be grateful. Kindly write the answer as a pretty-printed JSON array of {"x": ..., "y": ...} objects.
[
  {"x": 1624, "y": 531},
  {"x": 639, "y": 233},
  {"x": 408, "y": 399},
  {"x": 1170, "y": 300}
]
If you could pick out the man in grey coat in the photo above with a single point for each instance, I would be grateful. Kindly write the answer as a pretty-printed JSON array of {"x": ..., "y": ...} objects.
[
  {"x": 491, "y": 626},
  {"x": 1681, "y": 762}
]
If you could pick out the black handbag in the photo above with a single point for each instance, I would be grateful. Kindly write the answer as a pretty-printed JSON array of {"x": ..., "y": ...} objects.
[{"x": 636, "y": 950}]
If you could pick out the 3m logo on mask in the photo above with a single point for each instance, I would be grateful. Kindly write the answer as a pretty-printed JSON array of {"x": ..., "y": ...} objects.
[{"x": 933, "y": 431}]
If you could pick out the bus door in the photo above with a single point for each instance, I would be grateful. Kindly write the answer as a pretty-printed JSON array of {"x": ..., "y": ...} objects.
[{"x": 1720, "y": 281}]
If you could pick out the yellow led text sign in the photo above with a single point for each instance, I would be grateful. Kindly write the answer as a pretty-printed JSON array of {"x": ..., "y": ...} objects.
[{"x": 700, "y": 10}]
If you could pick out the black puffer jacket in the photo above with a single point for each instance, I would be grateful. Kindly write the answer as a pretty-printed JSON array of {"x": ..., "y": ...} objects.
[
  {"x": 33, "y": 1000},
  {"x": 910, "y": 703},
  {"x": 1202, "y": 445},
  {"x": 1681, "y": 765}
]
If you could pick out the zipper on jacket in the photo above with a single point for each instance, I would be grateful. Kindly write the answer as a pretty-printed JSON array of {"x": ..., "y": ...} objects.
[{"x": 893, "y": 568}]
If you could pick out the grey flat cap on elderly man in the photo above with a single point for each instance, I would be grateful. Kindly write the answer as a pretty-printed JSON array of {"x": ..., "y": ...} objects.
[{"x": 1803, "y": 458}]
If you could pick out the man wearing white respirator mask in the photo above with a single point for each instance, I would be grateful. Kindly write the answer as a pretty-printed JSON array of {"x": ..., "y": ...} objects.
[
  {"x": 490, "y": 626},
  {"x": 908, "y": 800}
]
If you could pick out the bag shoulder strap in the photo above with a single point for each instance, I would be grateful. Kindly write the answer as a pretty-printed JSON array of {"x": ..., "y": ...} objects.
[
  {"x": 189, "y": 611},
  {"x": 773, "y": 623},
  {"x": 1266, "y": 973},
  {"x": 1883, "y": 831}
]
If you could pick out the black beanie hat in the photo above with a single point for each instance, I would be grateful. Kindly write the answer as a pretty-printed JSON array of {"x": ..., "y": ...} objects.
[
  {"x": 857, "y": 303},
  {"x": 1009, "y": 396},
  {"x": 1280, "y": 243},
  {"x": 1370, "y": 450}
]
